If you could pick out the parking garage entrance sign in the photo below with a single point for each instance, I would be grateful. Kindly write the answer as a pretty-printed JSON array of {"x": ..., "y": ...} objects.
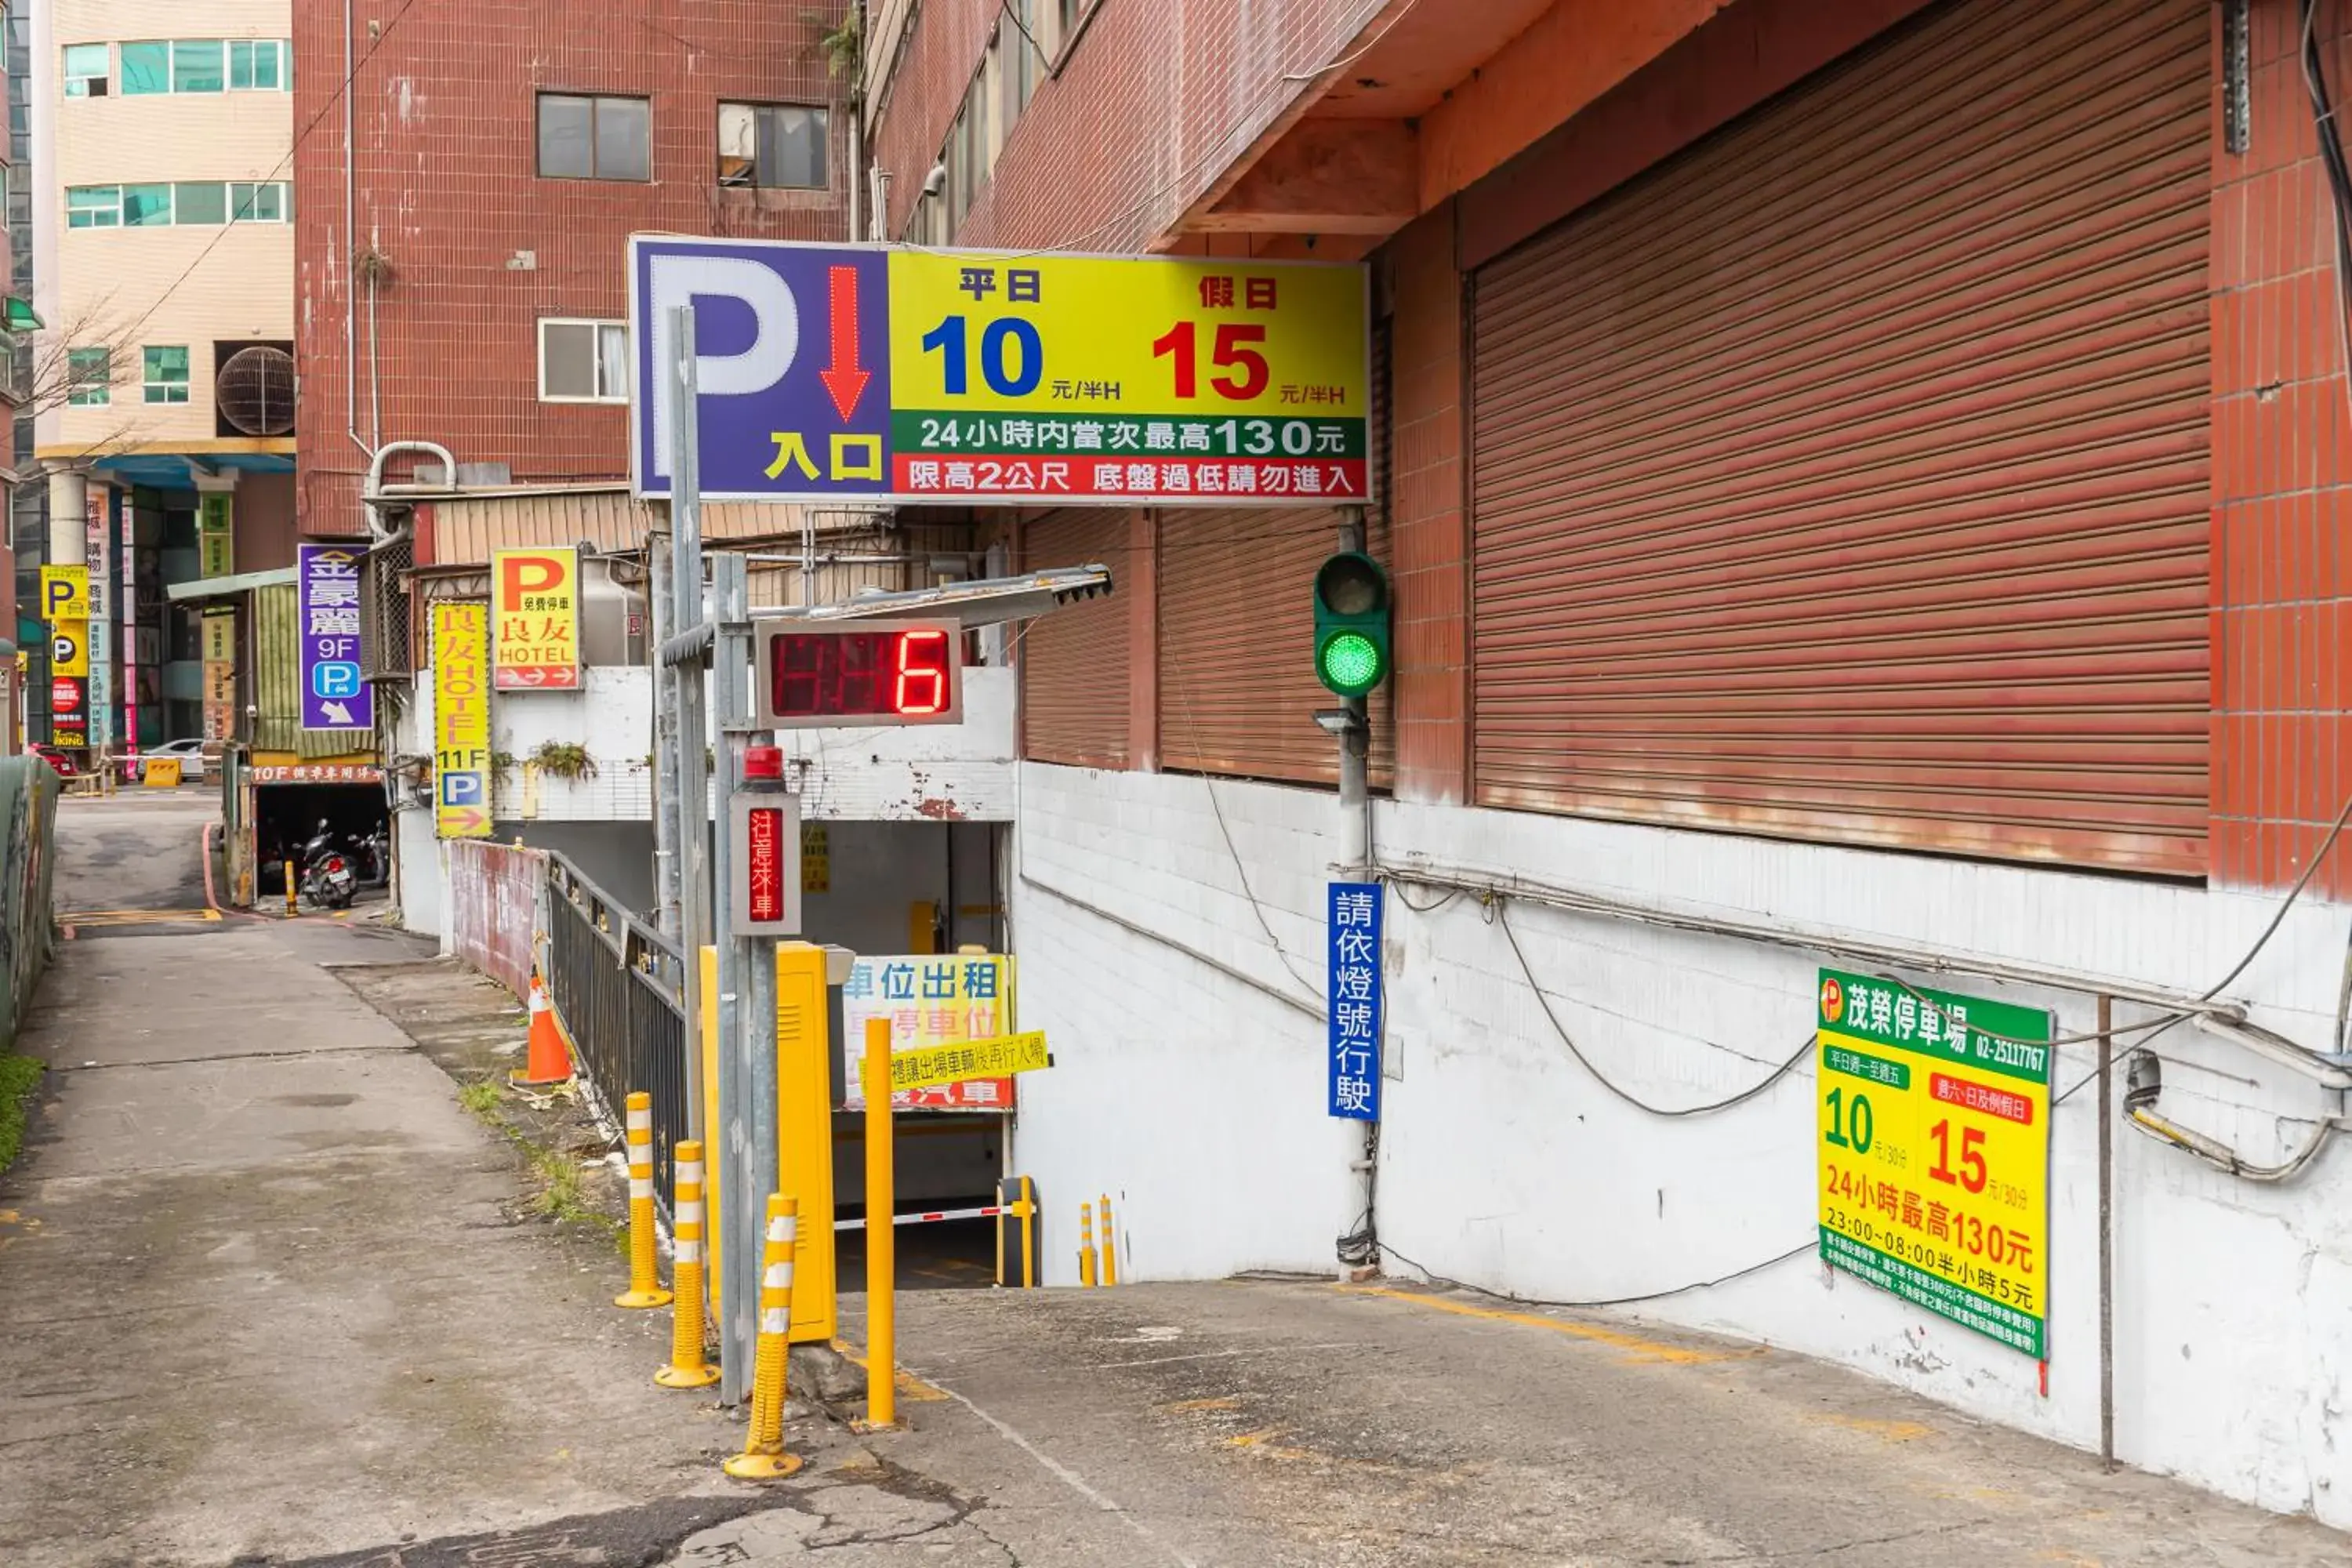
[
  {"x": 831, "y": 373},
  {"x": 1932, "y": 1123}
]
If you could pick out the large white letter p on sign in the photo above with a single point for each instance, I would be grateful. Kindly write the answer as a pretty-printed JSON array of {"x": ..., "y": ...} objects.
[{"x": 676, "y": 281}]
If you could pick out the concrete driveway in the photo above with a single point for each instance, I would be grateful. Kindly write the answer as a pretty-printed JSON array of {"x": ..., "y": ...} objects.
[{"x": 269, "y": 1298}]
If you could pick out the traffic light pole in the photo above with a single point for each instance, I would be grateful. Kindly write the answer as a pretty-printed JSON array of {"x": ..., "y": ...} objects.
[{"x": 1355, "y": 744}]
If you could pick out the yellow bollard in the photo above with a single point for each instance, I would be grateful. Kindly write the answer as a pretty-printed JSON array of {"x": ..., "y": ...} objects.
[
  {"x": 687, "y": 1369},
  {"x": 645, "y": 1279},
  {"x": 290, "y": 887},
  {"x": 1085, "y": 1244},
  {"x": 1109, "y": 1246},
  {"x": 763, "y": 1458},
  {"x": 881, "y": 1234}
]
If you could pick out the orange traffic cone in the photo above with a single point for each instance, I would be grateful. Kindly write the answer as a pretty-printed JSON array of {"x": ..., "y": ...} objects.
[{"x": 550, "y": 1061}]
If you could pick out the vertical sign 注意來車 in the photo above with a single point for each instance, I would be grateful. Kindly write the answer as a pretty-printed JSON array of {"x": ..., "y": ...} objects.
[
  {"x": 327, "y": 584},
  {"x": 461, "y": 720},
  {"x": 1354, "y": 987},
  {"x": 1932, "y": 1132},
  {"x": 535, "y": 619}
]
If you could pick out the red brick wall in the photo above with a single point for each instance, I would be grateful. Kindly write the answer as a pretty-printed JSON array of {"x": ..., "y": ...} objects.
[
  {"x": 1429, "y": 566},
  {"x": 2282, "y": 575},
  {"x": 1154, "y": 102},
  {"x": 447, "y": 190}
]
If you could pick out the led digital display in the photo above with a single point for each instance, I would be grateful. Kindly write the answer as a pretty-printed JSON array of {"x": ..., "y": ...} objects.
[{"x": 871, "y": 673}]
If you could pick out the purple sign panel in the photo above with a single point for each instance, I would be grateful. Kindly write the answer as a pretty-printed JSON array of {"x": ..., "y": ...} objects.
[
  {"x": 792, "y": 365},
  {"x": 327, "y": 579}
]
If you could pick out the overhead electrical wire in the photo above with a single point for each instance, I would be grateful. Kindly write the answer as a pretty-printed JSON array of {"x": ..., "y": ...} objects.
[{"x": 335, "y": 98}]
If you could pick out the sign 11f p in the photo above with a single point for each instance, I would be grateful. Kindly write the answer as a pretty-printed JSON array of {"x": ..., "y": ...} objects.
[{"x": 1354, "y": 987}]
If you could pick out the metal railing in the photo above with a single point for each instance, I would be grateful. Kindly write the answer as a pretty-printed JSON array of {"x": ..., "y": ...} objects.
[
  {"x": 28, "y": 812},
  {"x": 617, "y": 984}
]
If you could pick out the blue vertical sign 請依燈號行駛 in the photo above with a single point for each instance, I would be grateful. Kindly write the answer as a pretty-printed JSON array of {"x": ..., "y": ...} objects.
[
  {"x": 791, "y": 365},
  {"x": 1354, "y": 988},
  {"x": 334, "y": 697}
]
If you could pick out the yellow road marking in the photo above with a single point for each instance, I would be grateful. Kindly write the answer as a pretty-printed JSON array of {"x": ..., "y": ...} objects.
[
  {"x": 1892, "y": 1431},
  {"x": 1187, "y": 1406},
  {"x": 913, "y": 1387},
  {"x": 136, "y": 917},
  {"x": 1636, "y": 1348},
  {"x": 1262, "y": 1441}
]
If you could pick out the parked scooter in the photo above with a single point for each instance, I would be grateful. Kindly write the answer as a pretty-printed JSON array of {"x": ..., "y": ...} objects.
[
  {"x": 329, "y": 879},
  {"x": 374, "y": 858}
]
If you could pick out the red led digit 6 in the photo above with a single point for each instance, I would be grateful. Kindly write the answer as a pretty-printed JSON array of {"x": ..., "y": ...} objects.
[{"x": 922, "y": 686}]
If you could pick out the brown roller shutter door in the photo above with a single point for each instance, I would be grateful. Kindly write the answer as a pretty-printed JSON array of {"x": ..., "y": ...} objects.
[
  {"x": 1075, "y": 662},
  {"x": 1237, "y": 687},
  {"x": 1846, "y": 475}
]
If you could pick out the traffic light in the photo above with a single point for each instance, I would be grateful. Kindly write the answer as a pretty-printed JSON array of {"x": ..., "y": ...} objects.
[{"x": 1351, "y": 624}]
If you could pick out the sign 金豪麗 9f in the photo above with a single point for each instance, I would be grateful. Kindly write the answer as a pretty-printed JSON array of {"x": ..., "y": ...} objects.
[
  {"x": 327, "y": 589},
  {"x": 826, "y": 374},
  {"x": 1932, "y": 1127}
]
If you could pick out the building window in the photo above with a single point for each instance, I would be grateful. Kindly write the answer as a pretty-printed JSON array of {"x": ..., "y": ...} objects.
[
  {"x": 205, "y": 201},
  {"x": 583, "y": 360},
  {"x": 94, "y": 206},
  {"x": 257, "y": 63},
  {"x": 89, "y": 377},
  {"x": 88, "y": 69},
  {"x": 146, "y": 68},
  {"x": 203, "y": 65},
  {"x": 264, "y": 203},
  {"x": 771, "y": 145},
  {"x": 196, "y": 66},
  {"x": 594, "y": 138},
  {"x": 195, "y": 203},
  {"x": 146, "y": 206},
  {"x": 167, "y": 374}
]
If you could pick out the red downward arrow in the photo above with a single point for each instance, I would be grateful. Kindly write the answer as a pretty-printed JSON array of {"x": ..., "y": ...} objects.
[{"x": 844, "y": 379}]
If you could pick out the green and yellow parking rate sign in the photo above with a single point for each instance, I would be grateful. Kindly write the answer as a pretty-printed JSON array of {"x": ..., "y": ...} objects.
[{"x": 1933, "y": 1123}]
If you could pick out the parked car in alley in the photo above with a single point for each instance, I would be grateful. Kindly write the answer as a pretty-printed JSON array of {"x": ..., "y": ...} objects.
[
  {"x": 191, "y": 753},
  {"x": 57, "y": 760}
]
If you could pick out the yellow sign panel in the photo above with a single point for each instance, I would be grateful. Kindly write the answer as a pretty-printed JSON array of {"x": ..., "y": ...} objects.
[
  {"x": 535, "y": 599},
  {"x": 1933, "y": 1125},
  {"x": 1231, "y": 382},
  {"x": 461, "y": 721},
  {"x": 70, "y": 647},
  {"x": 927, "y": 1067},
  {"x": 161, "y": 773},
  {"x": 65, "y": 594}
]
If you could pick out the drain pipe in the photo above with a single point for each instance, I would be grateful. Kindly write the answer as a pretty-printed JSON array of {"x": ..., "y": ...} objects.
[
  {"x": 350, "y": 257},
  {"x": 376, "y": 493}
]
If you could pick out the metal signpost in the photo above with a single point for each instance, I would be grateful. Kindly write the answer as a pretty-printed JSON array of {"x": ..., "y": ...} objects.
[{"x": 832, "y": 374}]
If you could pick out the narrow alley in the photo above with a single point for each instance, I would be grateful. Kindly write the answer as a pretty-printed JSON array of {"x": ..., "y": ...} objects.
[{"x": 273, "y": 1299}]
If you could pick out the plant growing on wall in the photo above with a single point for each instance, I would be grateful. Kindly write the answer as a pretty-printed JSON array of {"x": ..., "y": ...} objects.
[
  {"x": 563, "y": 760},
  {"x": 843, "y": 46}
]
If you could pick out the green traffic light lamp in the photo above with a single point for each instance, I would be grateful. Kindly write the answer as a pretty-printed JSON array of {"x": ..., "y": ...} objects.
[{"x": 1351, "y": 624}]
